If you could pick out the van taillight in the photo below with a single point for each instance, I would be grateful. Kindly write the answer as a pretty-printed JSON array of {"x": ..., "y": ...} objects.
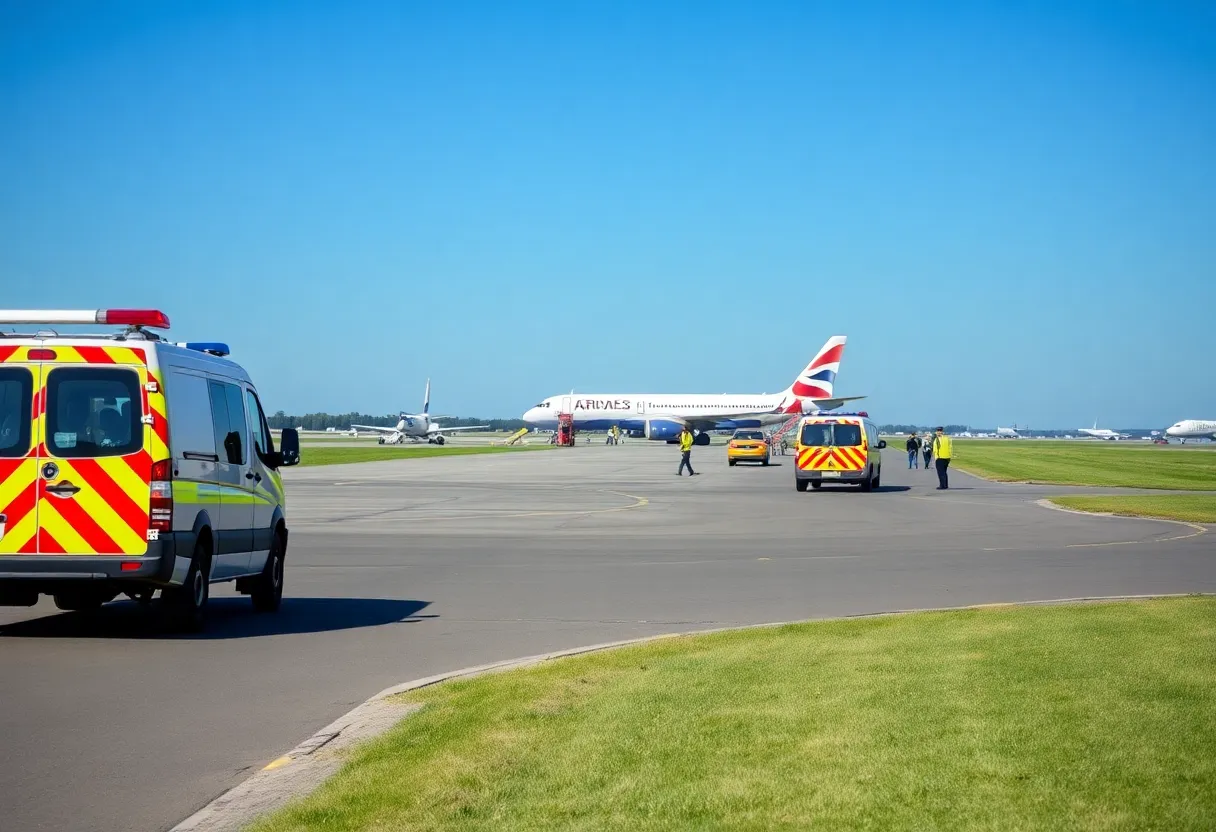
[{"x": 160, "y": 507}]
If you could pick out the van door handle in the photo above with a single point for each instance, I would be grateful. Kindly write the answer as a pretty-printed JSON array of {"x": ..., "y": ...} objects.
[{"x": 63, "y": 489}]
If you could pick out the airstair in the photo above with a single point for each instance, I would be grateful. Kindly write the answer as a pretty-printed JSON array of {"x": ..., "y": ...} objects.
[
  {"x": 786, "y": 427},
  {"x": 517, "y": 437}
]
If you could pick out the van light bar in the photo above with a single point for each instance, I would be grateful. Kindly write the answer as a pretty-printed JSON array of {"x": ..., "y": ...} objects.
[
  {"x": 210, "y": 347},
  {"x": 121, "y": 317}
]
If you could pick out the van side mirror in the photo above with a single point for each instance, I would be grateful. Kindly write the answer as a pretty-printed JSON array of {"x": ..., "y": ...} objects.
[
  {"x": 289, "y": 447},
  {"x": 882, "y": 443}
]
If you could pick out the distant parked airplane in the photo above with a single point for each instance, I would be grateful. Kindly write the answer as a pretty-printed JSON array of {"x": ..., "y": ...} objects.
[
  {"x": 1103, "y": 433},
  {"x": 1008, "y": 433},
  {"x": 661, "y": 416},
  {"x": 415, "y": 426},
  {"x": 1192, "y": 429}
]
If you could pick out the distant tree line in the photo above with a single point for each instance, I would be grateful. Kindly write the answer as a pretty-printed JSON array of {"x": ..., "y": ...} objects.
[
  {"x": 343, "y": 421},
  {"x": 920, "y": 428}
]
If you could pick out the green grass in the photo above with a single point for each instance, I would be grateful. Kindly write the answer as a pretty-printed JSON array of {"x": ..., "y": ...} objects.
[
  {"x": 1087, "y": 463},
  {"x": 313, "y": 455},
  {"x": 1193, "y": 508},
  {"x": 1087, "y": 717}
]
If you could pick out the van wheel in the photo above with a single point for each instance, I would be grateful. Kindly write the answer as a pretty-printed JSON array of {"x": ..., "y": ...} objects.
[
  {"x": 187, "y": 604},
  {"x": 801, "y": 485},
  {"x": 878, "y": 479},
  {"x": 730, "y": 462},
  {"x": 816, "y": 484},
  {"x": 765, "y": 463},
  {"x": 868, "y": 483},
  {"x": 267, "y": 591}
]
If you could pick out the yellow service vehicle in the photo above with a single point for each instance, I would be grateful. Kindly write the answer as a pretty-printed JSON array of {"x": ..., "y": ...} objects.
[
  {"x": 747, "y": 445},
  {"x": 131, "y": 465},
  {"x": 838, "y": 447}
]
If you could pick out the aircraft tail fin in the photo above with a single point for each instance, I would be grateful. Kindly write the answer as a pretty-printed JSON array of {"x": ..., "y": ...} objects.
[
  {"x": 818, "y": 380},
  {"x": 426, "y": 398}
]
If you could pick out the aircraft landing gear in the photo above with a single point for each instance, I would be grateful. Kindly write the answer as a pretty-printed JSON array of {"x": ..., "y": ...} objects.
[
  {"x": 439, "y": 440},
  {"x": 701, "y": 439}
]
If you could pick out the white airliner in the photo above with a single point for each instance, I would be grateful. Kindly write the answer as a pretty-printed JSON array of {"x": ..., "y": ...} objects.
[
  {"x": 1102, "y": 433},
  {"x": 661, "y": 416},
  {"x": 415, "y": 426},
  {"x": 1008, "y": 433},
  {"x": 1192, "y": 429}
]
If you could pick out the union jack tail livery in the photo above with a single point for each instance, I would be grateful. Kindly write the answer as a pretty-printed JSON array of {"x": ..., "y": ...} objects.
[{"x": 819, "y": 378}]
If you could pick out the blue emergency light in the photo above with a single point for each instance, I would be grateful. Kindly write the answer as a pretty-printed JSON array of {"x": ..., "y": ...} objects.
[
  {"x": 209, "y": 347},
  {"x": 863, "y": 414}
]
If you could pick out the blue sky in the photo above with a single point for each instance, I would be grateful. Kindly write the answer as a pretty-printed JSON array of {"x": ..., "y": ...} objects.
[{"x": 1007, "y": 207}]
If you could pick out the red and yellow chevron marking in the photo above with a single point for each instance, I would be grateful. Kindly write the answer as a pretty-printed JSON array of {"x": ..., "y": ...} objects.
[
  {"x": 109, "y": 515},
  {"x": 832, "y": 459},
  {"x": 18, "y": 499},
  {"x": 77, "y": 355}
]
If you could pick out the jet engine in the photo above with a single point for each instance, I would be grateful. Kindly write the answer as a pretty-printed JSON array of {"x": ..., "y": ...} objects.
[{"x": 663, "y": 430}]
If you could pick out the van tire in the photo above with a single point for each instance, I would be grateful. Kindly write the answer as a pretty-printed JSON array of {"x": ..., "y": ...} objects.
[
  {"x": 267, "y": 589},
  {"x": 868, "y": 483},
  {"x": 800, "y": 485},
  {"x": 187, "y": 604},
  {"x": 730, "y": 462},
  {"x": 816, "y": 484}
]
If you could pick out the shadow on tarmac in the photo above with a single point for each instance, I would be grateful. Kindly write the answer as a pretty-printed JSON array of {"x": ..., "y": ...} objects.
[
  {"x": 842, "y": 488},
  {"x": 227, "y": 618}
]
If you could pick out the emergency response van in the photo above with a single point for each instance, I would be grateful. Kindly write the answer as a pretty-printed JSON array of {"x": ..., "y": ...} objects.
[
  {"x": 838, "y": 448},
  {"x": 129, "y": 464}
]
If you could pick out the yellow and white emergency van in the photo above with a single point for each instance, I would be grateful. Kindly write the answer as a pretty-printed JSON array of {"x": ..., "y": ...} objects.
[
  {"x": 129, "y": 464},
  {"x": 838, "y": 448}
]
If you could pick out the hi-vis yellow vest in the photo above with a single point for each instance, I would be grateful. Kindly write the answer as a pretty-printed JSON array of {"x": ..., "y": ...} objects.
[
  {"x": 942, "y": 448},
  {"x": 686, "y": 441}
]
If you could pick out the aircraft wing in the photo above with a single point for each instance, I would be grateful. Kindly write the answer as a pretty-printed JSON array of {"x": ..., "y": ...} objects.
[
  {"x": 441, "y": 429},
  {"x": 832, "y": 404},
  {"x": 374, "y": 428}
]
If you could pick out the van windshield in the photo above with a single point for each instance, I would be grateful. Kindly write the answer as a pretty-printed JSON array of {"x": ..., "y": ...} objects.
[
  {"x": 16, "y": 390},
  {"x": 93, "y": 411},
  {"x": 822, "y": 435}
]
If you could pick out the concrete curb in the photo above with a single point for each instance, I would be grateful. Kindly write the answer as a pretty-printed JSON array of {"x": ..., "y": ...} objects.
[{"x": 309, "y": 764}]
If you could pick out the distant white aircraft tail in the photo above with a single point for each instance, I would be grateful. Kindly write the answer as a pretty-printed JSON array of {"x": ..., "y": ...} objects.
[{"x": 426, "y": 398}]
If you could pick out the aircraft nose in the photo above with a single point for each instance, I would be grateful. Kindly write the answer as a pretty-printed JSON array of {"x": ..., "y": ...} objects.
[{"x": 530, "y": 415}]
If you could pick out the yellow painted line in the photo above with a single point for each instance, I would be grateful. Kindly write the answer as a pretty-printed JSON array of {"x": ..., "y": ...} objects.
[
  {"x": 1198, "y": 531},
  {"x": 279, "y": 763},
  {"x": 639, "y": 502}
]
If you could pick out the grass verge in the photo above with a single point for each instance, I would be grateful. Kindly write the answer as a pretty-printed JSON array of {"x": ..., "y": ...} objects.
[
  {"x": 1193, "y": 508},
  {"x": 1088, "y": 463},
  {"x": 313, "y": 455},
  {"x": 1098, "y": 716}
]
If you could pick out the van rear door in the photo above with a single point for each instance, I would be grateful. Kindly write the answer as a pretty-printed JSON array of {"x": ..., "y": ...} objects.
[
  {"x": 94, "y": 467},
  {"x": 19, "y": 380}
]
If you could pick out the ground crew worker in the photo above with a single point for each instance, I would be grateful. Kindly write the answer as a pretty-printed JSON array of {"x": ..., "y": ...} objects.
[
  {"x": 913, "y": 447},
  {"x": 944, "y": 452},
  {"x": 686, "y": 452}
]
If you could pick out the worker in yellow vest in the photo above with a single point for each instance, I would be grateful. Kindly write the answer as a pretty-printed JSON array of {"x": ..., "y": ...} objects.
[
  {"x": 686, "y": 442},
  {"x": 943, "y": 451}
]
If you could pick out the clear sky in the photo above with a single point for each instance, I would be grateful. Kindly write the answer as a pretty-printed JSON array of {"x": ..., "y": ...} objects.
[{"x": 1010, "y": 209}]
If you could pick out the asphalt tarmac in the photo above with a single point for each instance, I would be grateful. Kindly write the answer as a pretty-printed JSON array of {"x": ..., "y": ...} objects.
[{"x": 399, "y": 570}]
